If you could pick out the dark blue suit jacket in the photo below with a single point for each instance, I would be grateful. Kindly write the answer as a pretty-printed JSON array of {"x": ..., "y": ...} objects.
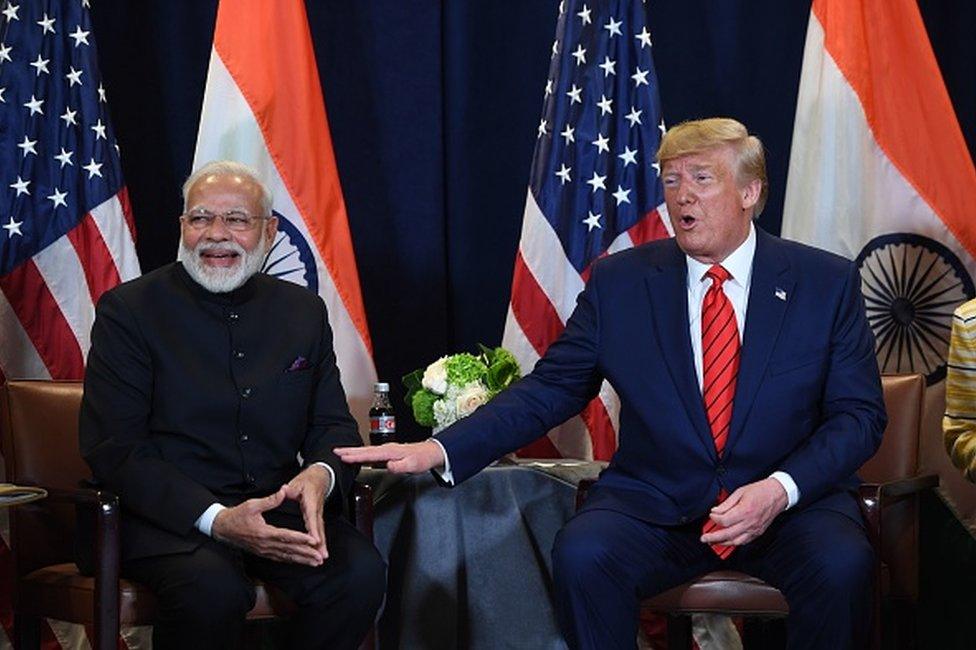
[{"x": 808, "y": 399}]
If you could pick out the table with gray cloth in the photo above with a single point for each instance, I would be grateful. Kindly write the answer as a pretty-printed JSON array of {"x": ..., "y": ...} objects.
[{"x": 470, "y": 567}]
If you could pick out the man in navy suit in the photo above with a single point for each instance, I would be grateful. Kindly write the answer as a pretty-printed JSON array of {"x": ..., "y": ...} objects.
[{"x": 749, "y": 397}]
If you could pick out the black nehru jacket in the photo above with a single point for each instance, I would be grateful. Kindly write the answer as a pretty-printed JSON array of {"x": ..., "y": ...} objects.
[{"x": 193, "y": 398}]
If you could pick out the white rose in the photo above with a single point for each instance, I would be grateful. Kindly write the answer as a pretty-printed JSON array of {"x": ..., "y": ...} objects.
[
  {"x": 471, "y": 397},
  {"x": 435, "y": 377}
]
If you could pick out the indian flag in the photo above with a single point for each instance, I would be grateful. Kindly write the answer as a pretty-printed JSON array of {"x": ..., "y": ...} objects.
[
  {"x": 263, "y": 106},
  {"x": 879, "y": 172}
]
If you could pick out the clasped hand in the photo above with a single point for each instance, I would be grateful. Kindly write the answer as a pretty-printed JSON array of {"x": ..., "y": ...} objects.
[
  {"x": 747, "y": 513},
  {"x": 244, "y": 525}
]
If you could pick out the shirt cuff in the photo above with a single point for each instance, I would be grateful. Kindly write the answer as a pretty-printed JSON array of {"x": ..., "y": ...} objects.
[
  {"x": 331, "y": 477},
  {"x": 445, "y": 473},
  {"x": 792, "y": 491},
  {"x": 205, "y": 522}
]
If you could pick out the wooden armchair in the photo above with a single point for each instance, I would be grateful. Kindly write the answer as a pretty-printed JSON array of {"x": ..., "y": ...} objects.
[
  {"x": 39, "y": 435},
  {"x": 889, "y": 500}
]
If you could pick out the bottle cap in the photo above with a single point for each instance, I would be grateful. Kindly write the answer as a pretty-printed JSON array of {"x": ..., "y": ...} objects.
[{"x": 381, "y": 387}]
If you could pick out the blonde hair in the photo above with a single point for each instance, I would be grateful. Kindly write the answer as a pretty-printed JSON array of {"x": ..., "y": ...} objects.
[{"x": 696, "y": 136}]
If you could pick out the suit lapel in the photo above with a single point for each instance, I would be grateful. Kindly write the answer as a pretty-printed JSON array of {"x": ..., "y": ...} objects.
[
  {"x": 769, "y": 296},
  {"x": 667, "y": 289}
]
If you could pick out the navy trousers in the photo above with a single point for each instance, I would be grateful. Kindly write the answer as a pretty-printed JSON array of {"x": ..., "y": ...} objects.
[{"x": 605, "y": 563}]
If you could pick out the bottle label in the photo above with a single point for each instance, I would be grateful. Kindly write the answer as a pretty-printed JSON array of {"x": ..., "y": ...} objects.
[{"x": 382, "y": 424}]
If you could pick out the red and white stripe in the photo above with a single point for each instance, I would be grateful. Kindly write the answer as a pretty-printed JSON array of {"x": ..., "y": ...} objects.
[
  {"x": 47, "y": 304},
  {"x": 544, "y": 290}
]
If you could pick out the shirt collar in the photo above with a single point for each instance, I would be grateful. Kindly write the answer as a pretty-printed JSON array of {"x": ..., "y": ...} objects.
[{"x": 738, "y": 264}]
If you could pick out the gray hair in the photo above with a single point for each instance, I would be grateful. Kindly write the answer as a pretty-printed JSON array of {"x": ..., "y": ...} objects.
[{"x": 229, "y": 168}]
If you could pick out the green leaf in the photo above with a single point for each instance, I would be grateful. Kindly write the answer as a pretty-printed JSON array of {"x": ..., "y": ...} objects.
[
  {"x": 412, "y": 383},
  {"x": 501, "y": 375}
]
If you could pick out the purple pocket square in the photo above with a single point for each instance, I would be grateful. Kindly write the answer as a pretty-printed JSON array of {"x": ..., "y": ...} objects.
[{"x": 300, "y": 363}]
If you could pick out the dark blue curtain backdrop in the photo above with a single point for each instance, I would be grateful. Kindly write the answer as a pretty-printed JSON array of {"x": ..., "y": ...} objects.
[{"x": 433, "y": 108}]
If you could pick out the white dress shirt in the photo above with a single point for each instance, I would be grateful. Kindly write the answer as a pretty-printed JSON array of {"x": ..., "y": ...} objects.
[{"x": 736, "y": 288}]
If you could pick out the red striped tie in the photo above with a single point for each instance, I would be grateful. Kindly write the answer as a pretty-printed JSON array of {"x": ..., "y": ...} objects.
[{"x": 720, "y": 366}]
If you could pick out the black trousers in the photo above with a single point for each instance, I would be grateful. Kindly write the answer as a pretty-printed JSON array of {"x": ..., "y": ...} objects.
[{"x": 204, "y": 595}]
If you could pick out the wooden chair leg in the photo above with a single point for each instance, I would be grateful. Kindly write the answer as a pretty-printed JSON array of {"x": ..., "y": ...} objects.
[
  {"x": 27, "y": 632},
  {"x": 679, "y": 632}
]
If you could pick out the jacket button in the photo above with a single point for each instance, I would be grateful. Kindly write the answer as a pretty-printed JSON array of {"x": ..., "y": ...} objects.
[
  {"x": 249, "y": 479},
  {"x": 720, "y": 469},
  {"x": 233, "y": 316},
  {"x": 243, "y": 437},
  {"x": 238, "y": 354},
  {"x": 245, "y": 392},
  {"x": 683, "y": 520}
]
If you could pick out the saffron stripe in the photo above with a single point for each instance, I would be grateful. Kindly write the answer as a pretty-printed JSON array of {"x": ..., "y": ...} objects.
[
  {"x": 266, "y": 47},
  {"x": 882, "y": 49}
]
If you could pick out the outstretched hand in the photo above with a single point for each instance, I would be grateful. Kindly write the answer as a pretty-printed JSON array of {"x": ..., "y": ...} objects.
[
  {"x": 244, "y": 526},
  {"x": 409, "y": 458}
]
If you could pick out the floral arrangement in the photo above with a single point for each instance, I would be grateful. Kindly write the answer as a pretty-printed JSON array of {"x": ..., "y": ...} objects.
[{"x": 452, "y": 387}]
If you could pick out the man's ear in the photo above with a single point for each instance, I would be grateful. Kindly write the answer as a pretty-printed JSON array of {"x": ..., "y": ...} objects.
[
  {"x": 272, "y": 227},
  {"x": 750, "y": 193}
]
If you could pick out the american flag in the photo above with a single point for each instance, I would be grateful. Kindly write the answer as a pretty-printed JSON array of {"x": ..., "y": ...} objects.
[
  {"x": 594, "y": 190},
  {"x": 67, "y": 232}
]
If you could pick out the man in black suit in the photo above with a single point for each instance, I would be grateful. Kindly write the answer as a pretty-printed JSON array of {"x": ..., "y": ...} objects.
[{"x": 212, "y": 404}]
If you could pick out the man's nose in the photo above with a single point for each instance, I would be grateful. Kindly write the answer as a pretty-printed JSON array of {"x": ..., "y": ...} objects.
[
  {"x": 685, "y": 194},
  {"x": 217, "y": 230}
]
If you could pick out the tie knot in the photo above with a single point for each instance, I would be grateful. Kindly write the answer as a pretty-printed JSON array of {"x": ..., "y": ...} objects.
[{"x": 718, "y": 274}]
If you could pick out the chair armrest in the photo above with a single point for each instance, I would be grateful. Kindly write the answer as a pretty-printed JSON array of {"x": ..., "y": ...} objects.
[
  {"x": 101, "y": 506},
  {"x": 875, "y": 497},
  {"x": 582, "y": 490},
  {"x": 907, "y": 486},
  {"x": 82, "y": 497},
  {"x": 361, "y": 507}
]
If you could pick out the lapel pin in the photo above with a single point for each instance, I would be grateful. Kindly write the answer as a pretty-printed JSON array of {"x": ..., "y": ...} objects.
[{"x": 781, "y": 294}]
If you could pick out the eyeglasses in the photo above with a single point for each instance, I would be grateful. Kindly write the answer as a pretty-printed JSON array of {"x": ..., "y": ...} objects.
[{"x": 236, "y": 220}]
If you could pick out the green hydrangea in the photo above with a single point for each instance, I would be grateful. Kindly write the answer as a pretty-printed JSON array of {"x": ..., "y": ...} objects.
[
  {"x": 464, "y": 368},
  {"x": 423, "y": 407}
]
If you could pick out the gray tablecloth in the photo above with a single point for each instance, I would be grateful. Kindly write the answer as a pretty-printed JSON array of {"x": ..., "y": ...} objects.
[{"x": 470, "y": 567}]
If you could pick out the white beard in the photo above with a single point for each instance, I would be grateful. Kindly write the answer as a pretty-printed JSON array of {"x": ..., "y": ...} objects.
[{"x": 218, "y": 279}]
